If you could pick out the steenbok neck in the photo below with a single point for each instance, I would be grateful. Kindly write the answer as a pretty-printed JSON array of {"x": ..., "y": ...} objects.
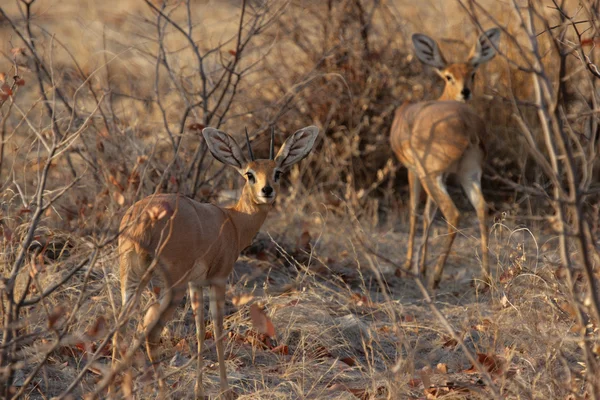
[{"x": 247, "y": 218}]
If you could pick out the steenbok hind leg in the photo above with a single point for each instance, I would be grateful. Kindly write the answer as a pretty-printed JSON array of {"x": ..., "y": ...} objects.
[
  {"x": 415, "y": 193},
  {"x": 436, "y": 188},
  {"x": 217, "y": 304},
  {"x": 471, "y": 183},
  {"x": 197, "y": 300},
  {"x": 155, "y": 320},
  {"x": 131, "y": 284}
]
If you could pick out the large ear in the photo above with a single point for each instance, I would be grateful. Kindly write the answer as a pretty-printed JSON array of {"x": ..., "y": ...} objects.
[
  {"x": 296, "y": 147},
  {"x": 485, "y": 47},
  {"x": 428, "y": 51},
  {"x": 224, "y": 148}
]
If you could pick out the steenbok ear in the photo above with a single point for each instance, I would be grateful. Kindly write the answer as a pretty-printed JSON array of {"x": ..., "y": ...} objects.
[
  {"x": 428, "y": 51},
  {"x": 485, "y": 47},
  {"x": 224, "y": 148},
  {"x": 296, "y": 147}
]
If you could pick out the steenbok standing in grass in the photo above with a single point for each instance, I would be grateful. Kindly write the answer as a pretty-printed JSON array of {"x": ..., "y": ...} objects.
[
  {"x": 192, "y": 245},
  {"x": 436, "y": 138}
]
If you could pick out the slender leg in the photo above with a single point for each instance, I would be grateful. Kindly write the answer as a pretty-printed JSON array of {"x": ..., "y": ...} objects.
[
  {"x": 129, "y": 261},
  {"x": 470, "y": 180},
  {"x": 415, "y": 193},
  {"x": 437, "y": 190},
  {"x": 217, "y": 303},
  {"x": 155, "y": 320},
  {"x": 428, "y": 215},
  {"x": 197, "y": 300}
]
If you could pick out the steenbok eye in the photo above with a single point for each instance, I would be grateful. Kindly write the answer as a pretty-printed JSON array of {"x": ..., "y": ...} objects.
[
  {"x": 250, "y": 177},
  {"x": 277, "y": 175},
  {"x": 449, "y": 78}
]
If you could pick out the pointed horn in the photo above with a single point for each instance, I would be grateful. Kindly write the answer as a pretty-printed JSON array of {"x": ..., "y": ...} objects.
[
  {"x": 249, "y": 146},
  {"x": 272, "y": 148}
]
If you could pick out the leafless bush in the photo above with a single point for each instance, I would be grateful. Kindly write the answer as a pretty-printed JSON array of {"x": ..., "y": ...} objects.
[{"x": 86, "y": 132}]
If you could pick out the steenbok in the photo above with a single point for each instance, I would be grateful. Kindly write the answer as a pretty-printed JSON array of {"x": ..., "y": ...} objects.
[
  {"x": 191, "y": 245},
  {"x": 436, "y": 138}
]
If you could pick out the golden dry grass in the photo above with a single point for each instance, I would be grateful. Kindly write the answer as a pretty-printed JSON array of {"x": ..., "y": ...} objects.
[{"x": 349, "y": 326}]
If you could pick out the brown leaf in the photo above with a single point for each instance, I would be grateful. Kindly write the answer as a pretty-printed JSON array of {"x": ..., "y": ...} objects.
[
  {"x": 321, "y": 352},
  {"x": 492, "y": 363},
  {"x": 348, "y": 360},
  {"x": 55, "y": 315},
  {"x": 442, "y": 368},
  {"x": 98, "y": 328},
  {"x": 415, "y": 383},
  {"x": 196, "y": 127},
  {"x": 450, "y": 343},
  {"x": 260, "y": 321},
  {"x": 281, "y": 349},
  {"x": 432, "y": 393},
  {"x": 360, "y": 393},
  {"x": 182, "y": 346},
  {"x": 113, "y": 180},
  {"x": 15, "y": 51},
  {"x": 20, "y": 82},
  {"x": 242, "y": 299},
  {"x": 5, "y": 91},
  {"x": 304, "y": 241},
  {"x": 386, "y": 329},
  {"x": 425, "y": 374},
  {"x": 119, "y": 198},
  {"x": 292, "y": 303},
  {"x": 484, "y": 326},
  {"x": 361, "y": 300},
  {"x": 104, "y": 133},
  {"x": 408, "y": 318}
]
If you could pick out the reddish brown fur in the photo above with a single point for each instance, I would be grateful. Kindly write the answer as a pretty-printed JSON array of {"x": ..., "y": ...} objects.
[{"x": 436, "y": 138}]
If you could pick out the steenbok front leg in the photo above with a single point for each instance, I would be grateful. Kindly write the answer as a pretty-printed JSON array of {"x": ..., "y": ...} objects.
[
  {"x": 197, "y": 301},
  {"x": 415, "y": 193},
  {"x": 217, "y": 304},
  {"x": 470, "y": 179},
  {"x": 437, "y": 191}
]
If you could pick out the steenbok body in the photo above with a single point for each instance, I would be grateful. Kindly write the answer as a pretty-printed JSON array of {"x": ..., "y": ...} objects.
[
  {"x": 436, "y": 138},
  {"x": 191, "y": 245}
]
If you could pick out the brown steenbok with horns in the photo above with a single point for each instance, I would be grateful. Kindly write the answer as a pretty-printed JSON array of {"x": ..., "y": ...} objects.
[
  {"x": 436, "y": 138},
  {"x": 192, "y": 245}
]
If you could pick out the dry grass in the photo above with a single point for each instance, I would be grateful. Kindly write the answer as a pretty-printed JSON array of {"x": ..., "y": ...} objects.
[{"x": 324, "y": 264}]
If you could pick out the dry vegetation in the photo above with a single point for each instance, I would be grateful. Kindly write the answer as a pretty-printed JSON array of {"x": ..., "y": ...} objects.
[{"x": 102, "y": 103}]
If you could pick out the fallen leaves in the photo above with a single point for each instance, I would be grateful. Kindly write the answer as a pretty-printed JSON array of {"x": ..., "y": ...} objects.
[
  {"x": 260, "y": 321},
  {"x": 242, "y": 299},
  {"x": 57, "y": 313},
  {"x": 119, "y": 198},
  {"x": 5, "y": 89},
  {"x": 492, "y": 363}
]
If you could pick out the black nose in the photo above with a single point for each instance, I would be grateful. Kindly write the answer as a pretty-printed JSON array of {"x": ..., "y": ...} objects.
[
  {"x": 267, "y": 190},
  {"x": 465, "y": 92}
]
